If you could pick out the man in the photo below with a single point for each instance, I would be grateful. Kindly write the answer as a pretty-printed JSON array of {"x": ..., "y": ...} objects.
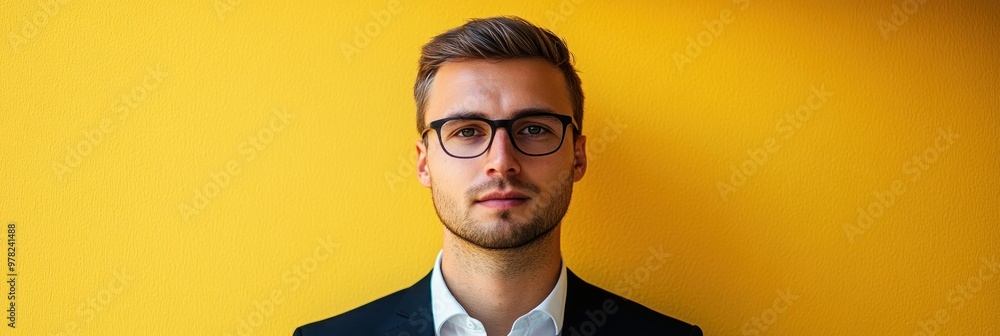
[{"x": 500, "y": 114}]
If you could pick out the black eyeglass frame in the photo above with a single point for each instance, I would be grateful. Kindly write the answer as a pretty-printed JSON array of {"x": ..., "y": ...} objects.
[{"x": 505, "y": 123}]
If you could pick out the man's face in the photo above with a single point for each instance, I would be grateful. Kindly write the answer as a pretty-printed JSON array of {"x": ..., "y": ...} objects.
[{"x": 530, "y": 194}]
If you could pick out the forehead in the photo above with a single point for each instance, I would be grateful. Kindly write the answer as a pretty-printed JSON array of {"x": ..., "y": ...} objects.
[{"x": 497, "y": 89}]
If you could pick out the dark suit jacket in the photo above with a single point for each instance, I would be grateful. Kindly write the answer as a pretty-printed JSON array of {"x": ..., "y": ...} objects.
[{"x": 590, "y": 311}]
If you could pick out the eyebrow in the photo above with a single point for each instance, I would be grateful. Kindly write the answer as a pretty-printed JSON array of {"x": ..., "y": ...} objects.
[{"x": 478, "y": 114}]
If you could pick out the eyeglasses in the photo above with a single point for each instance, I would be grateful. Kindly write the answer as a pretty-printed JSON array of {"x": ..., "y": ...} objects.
[{"x": 534, "y": 134}]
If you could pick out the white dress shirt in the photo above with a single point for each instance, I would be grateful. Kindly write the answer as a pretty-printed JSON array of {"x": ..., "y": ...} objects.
[{"x": 450, "y": 319}]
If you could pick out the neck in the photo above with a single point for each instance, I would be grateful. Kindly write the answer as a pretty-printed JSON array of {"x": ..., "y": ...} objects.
[{"x": 498, "y": 286}]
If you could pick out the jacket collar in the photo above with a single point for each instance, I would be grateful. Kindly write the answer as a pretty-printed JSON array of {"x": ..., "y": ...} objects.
[
  {"x": 415, "y": 316},
  {"x": 414, "y": 309},
  {"x": 444, "y": 305}
]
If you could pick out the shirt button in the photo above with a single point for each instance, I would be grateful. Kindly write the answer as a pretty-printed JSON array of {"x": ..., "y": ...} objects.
[{"x": 470, "y": 324}]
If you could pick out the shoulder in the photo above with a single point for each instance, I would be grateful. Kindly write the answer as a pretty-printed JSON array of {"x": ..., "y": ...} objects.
[
  {"x": 591, "y": 310},
  {"x": 363, "y": 320},
  {"x": 402, "y": 309}
]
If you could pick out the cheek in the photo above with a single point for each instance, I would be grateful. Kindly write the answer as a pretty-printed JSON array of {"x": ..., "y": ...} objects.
[
  {"x": 450, "y": 176},
  {"x": 556, "y": 164}
]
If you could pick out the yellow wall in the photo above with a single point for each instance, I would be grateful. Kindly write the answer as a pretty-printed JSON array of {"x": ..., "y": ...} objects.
[{"x": 200, "y": 167}]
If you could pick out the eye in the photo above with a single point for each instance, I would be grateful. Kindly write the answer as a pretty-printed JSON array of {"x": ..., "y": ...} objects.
[
  {"x": 467, "y": 132},
  {"x": 534, "y": 130}
]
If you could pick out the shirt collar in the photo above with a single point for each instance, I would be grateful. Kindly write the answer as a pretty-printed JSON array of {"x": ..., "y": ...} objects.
[{"x": 444, "y": 304}]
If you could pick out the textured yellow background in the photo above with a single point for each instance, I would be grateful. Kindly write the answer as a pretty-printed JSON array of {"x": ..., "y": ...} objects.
[{"x": 236, "y": 167}]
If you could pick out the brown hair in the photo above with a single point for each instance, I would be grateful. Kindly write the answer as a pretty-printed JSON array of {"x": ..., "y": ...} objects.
[{"x": 495, "y": 38}]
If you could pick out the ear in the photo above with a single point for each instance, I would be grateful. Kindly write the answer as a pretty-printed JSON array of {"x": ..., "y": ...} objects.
[
  {"x": 423, "y": 173},
  {"x": 580, "y": 158}
]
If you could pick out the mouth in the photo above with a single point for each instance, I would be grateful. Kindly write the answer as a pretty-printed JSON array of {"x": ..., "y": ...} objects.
[{"x": 502, "y": 200}]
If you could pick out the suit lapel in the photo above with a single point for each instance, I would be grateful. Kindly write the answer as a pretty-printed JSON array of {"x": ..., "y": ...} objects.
[
  {"x": 413, "y": 315},
  {"x": 580, "y": 297}
]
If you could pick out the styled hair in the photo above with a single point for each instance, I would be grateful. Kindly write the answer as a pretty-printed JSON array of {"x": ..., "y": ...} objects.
[{"x": 495, "y": 38}]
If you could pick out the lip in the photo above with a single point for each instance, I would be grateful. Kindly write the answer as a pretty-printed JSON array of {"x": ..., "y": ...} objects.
[{"x": 502, "y": 200}]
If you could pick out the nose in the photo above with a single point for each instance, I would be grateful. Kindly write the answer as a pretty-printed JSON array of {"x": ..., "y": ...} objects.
[{"x": 502, "y": 157}]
